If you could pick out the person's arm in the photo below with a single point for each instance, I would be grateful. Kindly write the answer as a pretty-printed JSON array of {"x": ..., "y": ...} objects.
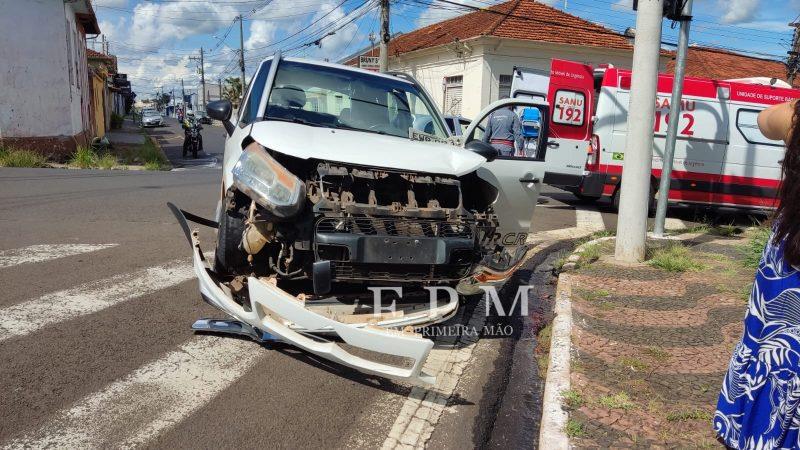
[{"x": 775, "y": 122}]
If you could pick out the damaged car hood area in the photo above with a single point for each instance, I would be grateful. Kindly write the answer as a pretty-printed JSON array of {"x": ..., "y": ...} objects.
[{"x": 364, "y": 149}]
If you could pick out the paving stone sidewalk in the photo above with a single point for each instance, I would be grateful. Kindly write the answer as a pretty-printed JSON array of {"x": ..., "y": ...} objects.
[{"x": 650, "y": 347}]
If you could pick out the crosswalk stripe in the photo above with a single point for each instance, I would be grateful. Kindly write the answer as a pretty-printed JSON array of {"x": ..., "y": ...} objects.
[
  {"x": 133, "y": 410},
  {"x": 45, "y": 252},
  {"x": 27, "y": 317}
]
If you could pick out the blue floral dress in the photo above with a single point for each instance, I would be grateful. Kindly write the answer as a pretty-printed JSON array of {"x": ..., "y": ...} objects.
[{"x": 758, "y": 404}]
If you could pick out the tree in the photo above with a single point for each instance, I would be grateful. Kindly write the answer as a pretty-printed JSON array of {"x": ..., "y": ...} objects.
[
  {"x": 165, "y": 98},
  {"x": 233, "y": 90}
]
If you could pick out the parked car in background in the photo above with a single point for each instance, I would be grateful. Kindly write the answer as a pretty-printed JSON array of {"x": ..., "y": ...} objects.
[
  {"x": 151, "y": 118},
  {"x": 202, "y": 117}
]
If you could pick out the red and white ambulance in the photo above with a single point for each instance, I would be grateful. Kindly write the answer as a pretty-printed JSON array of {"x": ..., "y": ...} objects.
[{"x": 721, "y": 158}]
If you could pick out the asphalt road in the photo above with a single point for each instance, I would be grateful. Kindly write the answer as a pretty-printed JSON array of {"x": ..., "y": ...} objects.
[{"x": 96, "y": 348}]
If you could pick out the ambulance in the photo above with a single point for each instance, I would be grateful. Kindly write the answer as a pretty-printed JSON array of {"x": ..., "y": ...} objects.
[{"x": 721, "y": 158}]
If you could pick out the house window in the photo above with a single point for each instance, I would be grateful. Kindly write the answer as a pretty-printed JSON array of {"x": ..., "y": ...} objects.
[
  {"x": 453, "y": 87},
  {"x": 504, "y": 90}
]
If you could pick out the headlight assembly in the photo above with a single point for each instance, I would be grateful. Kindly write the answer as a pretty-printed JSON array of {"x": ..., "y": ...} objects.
[{"x": 267, "y": 182}]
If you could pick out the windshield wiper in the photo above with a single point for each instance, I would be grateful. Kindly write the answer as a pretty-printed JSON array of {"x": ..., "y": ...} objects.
[{"x": 295, "y": 120}]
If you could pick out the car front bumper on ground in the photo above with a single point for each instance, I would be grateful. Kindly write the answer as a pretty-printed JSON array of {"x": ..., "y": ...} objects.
[{"x": 279, "y": 315}]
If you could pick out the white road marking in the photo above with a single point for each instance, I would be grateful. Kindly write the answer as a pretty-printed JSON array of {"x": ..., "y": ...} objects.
[
  {"x": 133, "y": 410},
  {"x": 46, "y": 252},
  {"x": 589, "y": 218},
  {"x": 27, "y": 317}
]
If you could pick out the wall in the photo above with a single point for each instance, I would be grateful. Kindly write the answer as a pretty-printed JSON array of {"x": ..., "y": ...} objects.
[
  {"x": 483, "y": 60},
  {"x": 42, "y": 94}
]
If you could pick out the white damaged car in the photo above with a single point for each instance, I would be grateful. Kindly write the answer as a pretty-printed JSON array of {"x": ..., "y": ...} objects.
[{"x": 329, "y": 192}]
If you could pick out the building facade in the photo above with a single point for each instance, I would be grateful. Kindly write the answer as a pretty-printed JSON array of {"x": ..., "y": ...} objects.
[
  {"x": 467, "y": 62},
  {"x": 45, "y": 87}
]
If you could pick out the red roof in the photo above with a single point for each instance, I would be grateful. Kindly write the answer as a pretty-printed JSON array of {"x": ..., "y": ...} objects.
[
  {"x": 704, "y": 62},
  {"x": 95, "y": 55},
  {"x": 517, "y": 19}
]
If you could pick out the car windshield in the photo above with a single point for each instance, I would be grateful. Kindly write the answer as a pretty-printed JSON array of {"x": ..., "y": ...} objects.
[{"x": 337, "y": 98}]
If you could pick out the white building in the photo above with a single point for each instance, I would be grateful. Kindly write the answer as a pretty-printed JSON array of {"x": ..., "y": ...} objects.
[
  {"x": 467, "y": 62},
  {"x": 44, "y": 78}
]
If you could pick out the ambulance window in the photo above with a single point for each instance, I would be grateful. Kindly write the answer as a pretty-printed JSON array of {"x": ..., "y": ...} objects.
[
  {"x": 569, "y": 107},
  {"x": 748, "y": 126}
]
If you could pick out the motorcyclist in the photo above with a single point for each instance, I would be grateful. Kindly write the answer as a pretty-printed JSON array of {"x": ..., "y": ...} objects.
[
  {"x": 189, "y": 123},
  {"x": 504, "y": 131}
]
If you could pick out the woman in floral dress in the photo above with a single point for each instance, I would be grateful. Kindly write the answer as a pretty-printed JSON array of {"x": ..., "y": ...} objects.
[{"x": 759, "y": 405}]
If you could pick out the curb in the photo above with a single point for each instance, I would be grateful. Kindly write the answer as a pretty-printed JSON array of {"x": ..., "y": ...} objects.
[{"x": 554, "y": 417}]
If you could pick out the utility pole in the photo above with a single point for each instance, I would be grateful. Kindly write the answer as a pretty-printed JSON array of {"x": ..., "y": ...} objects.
[
  {"x": 219, "y": 82},
  {"x": 172, "y": 99},
  {"x": 793, "y": 62},
  {"x": 202, "y": 75},
  {"x": 635, "y": 189},
  {"x": 183, "y": 96},
  {"x": 241, "y": 51},
  {"x": 383, "y": 60},
  {"x": 103, "y": 44},
  {"x": 674, "y": 118}
]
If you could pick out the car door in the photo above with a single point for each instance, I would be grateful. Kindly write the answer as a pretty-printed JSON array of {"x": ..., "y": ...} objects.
[{"x": 518, "y": 180}]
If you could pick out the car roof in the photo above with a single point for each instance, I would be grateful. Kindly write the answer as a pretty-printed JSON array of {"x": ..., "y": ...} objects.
[{"x": 317, "y": 62}]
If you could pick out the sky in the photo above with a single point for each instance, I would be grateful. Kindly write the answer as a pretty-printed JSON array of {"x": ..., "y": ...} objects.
[{"x": 155, "y": 40}]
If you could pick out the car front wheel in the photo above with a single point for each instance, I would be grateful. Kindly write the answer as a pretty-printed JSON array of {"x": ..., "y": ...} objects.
[{"x": 229, "y": 258}]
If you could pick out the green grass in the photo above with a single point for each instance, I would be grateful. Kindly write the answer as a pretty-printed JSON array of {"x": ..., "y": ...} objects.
[
  {"x": 543, "y": 339},
  {"x": 574, "y": 429},
  {"x": 674, "y": 257},
  {"x": 633, "y": 363},
  {"x": 657, "y": 353},
  {"x": 592, "y": 295},
  {"x": 16, "y": 157},
  {"x": 83, "y": 158},
  {"x": 561, "y": 259},
  {"x": 590, "y": 254},
  {"x": 152, "y": 156},
  {"x": 684, "y": 415},
  {"x": 617, "y": 401},
  {"x": 754, "y": 246},
  {"x": 573, "y": 399},
  {"x": 107, "y": 161}
]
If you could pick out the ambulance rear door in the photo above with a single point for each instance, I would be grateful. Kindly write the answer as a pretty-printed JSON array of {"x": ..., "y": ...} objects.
[{"x": 571, "y": 98}]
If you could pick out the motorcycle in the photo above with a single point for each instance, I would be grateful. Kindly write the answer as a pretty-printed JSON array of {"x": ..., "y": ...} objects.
[{"x": 193, "y": 140}]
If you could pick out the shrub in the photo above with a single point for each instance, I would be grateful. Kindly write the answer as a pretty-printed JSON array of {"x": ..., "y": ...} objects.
[
  {"x": 14, "y": 157},
  {"x": 83, "y": 158},
  {"x": 152, "y": 156}
]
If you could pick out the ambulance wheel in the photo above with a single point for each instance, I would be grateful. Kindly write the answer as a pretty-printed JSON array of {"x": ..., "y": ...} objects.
[{"x": 651, "y": 206}]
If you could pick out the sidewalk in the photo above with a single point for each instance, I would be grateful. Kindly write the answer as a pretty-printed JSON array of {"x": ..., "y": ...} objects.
[
  {"x": 650, "y": 344},
  {"x": 129, "y": 134}
]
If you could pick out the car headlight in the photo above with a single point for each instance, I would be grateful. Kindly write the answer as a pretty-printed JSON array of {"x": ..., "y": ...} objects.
[{"x": 267, "y": 182}]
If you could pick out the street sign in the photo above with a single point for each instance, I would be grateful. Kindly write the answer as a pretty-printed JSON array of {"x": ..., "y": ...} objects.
[{"x": 369, "y": 63}]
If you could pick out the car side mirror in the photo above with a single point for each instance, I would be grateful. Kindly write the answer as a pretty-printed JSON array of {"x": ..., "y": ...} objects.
[
  {"x": 221, "y": 110},
  {"x": 483, "y": 149}
]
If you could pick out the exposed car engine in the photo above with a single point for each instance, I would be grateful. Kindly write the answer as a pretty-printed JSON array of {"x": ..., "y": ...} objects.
[{"x": 360, "y": 224}]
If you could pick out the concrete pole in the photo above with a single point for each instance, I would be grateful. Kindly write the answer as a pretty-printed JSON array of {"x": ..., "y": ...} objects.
[
  {"x": 635, "y": 188},
  {"x": 383, "y": 61},
  {"x": 674, "y": 118},
  {"x": 203, "y": 77}
]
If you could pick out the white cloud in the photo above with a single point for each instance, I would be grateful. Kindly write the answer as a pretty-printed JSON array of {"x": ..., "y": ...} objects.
[
  {"x": 113, "y": 3},
  {"x": 737, "y": 11},
  {"x": 623, "y": 5},
  {"x": 440, "y": 12}
]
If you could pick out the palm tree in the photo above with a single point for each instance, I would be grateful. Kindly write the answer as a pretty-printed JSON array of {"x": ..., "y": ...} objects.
[{"x": 233, "y": 90}]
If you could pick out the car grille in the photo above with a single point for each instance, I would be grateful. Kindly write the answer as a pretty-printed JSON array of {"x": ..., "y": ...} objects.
[
  {"x": 345, "y": 270},
  {"x": 382, "y": 226}
]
